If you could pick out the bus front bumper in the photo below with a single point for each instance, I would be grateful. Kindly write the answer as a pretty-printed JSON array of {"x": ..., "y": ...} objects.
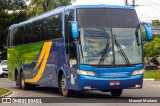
[{"x": 95, "y": 83}]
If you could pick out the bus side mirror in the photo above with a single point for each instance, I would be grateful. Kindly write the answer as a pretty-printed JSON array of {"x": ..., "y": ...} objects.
[
  {"x": 74, "y": 26},
  {"x": 148, "y": 31}
]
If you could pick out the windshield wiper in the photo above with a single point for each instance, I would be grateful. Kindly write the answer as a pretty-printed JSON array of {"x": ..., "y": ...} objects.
[
  {"x": 121, "y": 51},
  {"x": 104, "y": 53},
  {"x": 81, "y": 49}
]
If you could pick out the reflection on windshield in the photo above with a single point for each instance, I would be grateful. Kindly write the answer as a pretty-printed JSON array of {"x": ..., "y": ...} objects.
[
  {"x": 97, "y": 27},
  {"x": 93, "y": 42},
  {"x": 126, "y": 38}
]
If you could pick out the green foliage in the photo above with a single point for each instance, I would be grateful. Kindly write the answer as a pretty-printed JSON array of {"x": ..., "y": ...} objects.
[
  {"x": 41, "y": 6},
  {"x": 152, "y": 74},
  {"x": 3, "y": 91},
  {"x": 12, "y": 4},
  {"x": 155, "y": 22},
  {"x": 7, "y": 19},
  {"x": 152, "y": 48}
]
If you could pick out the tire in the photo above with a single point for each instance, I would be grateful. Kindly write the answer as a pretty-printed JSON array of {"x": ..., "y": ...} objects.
[
  {"x": 116, "y": 92},
  {"x": 22, "y": 84},
  {"x": 63, "y": 88},
  {"x": 17, "y": 80},
  {"x": 2, "y": 76}
]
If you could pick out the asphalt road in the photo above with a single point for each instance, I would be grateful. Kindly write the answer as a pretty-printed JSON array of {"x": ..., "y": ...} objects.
[{"x": 150, "y": 89}]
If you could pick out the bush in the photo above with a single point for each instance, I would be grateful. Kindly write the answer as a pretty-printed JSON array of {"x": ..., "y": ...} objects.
[{"x": 152, "y": 48}]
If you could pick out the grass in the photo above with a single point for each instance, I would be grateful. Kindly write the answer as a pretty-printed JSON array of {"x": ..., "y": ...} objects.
[
  {"x": 3, "y": 91},
  {"x": 152, "y": 74}
]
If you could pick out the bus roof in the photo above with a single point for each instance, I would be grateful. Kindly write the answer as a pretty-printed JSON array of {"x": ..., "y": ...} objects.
[{"x": 60, "y": 9}]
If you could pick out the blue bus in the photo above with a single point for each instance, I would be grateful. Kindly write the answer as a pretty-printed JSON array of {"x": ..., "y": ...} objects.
[{"x": 79, "y": 47}]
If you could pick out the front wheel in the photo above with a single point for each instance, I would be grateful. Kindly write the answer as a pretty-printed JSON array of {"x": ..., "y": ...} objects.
[
  {"x": 116, "y": 92},
  {"x": 63, "y": 88}
]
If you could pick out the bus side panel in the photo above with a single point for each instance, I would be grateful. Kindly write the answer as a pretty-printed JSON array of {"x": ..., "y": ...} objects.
[
  {"x": 55, "y": 61},
  {"x": 12, "y": 53},
  {"x": 21, "y": 57}
]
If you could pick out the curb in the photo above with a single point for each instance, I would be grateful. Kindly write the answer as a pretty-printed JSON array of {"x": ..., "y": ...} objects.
[
  {"x": 10, "y": 92},
  {"x": 151, "y": 79}
]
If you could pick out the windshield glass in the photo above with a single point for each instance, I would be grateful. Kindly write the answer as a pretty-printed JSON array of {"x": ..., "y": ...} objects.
[
  {"x": 127, "y": 40},
  {"x": 107, "y": 36},
  {"x": 93, "y": 43}
]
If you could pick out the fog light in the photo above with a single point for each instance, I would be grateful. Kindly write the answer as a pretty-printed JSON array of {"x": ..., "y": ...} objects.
[
  {"x": 137, "y": 86},
  {"x": 87, "y": 87}
]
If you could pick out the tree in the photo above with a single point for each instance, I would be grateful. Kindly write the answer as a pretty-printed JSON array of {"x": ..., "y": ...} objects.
[
  {"x": 152, "y": 48},
  {"x": 155, "y": 22},
  {"x": 12, "y": 4},
  {"x": 7, "y": 19},
  {"x": 39, "y": 6}
]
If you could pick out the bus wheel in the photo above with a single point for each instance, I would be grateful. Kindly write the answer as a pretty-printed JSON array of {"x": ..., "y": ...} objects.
[
  {"x": 22, "y": 84},
  {"x": 116, "y": 92},
  {"x": 63, "y": 89}
]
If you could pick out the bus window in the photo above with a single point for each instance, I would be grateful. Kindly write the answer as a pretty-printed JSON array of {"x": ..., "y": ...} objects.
[
  {"x": 45, "y": 29},
  {"x": 28, "y": 34},
  {"x": 17, "y": 36},
  {"x": 56, "y": 26},
  {"x": 11, "y": 37},
  {"x": 70, "y": 46},
  {"x": 36, "y": 32}
]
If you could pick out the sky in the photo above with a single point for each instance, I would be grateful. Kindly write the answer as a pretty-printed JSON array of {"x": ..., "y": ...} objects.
[{"x": 147, "y": 10}]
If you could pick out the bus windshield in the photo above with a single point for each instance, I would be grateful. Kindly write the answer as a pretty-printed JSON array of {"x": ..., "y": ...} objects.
[{"x": 107, "y": 36}]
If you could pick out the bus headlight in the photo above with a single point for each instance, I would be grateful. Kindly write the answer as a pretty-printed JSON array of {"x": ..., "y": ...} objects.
[
  {"x": 87, "y": 73},
  {"x": 136, "y": 72}
]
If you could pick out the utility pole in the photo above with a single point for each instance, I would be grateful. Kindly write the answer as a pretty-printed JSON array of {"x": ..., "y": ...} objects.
[
  {"x": 126, "y": 2},
  {"x": 133, "y": 3}
]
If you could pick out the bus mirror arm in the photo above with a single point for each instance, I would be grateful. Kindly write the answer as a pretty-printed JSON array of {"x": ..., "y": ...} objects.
[{"x": 137, "y": 35}]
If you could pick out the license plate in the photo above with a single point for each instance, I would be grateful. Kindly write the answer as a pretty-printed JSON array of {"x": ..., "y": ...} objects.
[{"x": 114, "y": 83}]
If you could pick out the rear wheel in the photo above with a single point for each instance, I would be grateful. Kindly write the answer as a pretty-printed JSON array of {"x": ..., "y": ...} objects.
[
  {"x": 63, "y": 88},
  {"x": 116, "y": 92},
  {"x": 22, "y": 84}
]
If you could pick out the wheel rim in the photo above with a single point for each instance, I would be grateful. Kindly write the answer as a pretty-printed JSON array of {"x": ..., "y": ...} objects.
[{"x": 63, "y": 85}]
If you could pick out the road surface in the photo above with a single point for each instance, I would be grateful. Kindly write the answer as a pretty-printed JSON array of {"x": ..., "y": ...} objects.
[{"x": 150, "y": 89}]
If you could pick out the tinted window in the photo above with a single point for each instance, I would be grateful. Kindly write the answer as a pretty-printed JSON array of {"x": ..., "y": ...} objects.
[
  {"x": 92, "y": 18},
  {"x": 123, "y": 18},
  {"x": 68, "y": 37},
  {"x": 45, "y": 29},
  {"x": 11, "y": 37},
  {"x": 102, "y": 17},
  {"x": 56, "y": 26},
  {"x": 17, "y": 36},
  {"x": 41, "y": 30},
  {"x": 28, "y": 33},
  {"x": 36, "y": 31},
  {"x": 70, "y": 46}
]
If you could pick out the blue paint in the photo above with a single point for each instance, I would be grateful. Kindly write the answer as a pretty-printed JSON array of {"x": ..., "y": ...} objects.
[
  {"x": 57, "y": 61},
  {"x": 103, "y": 83},
  {"x": 75, "y": 32},
  {"x": 148, "y": 31}
]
